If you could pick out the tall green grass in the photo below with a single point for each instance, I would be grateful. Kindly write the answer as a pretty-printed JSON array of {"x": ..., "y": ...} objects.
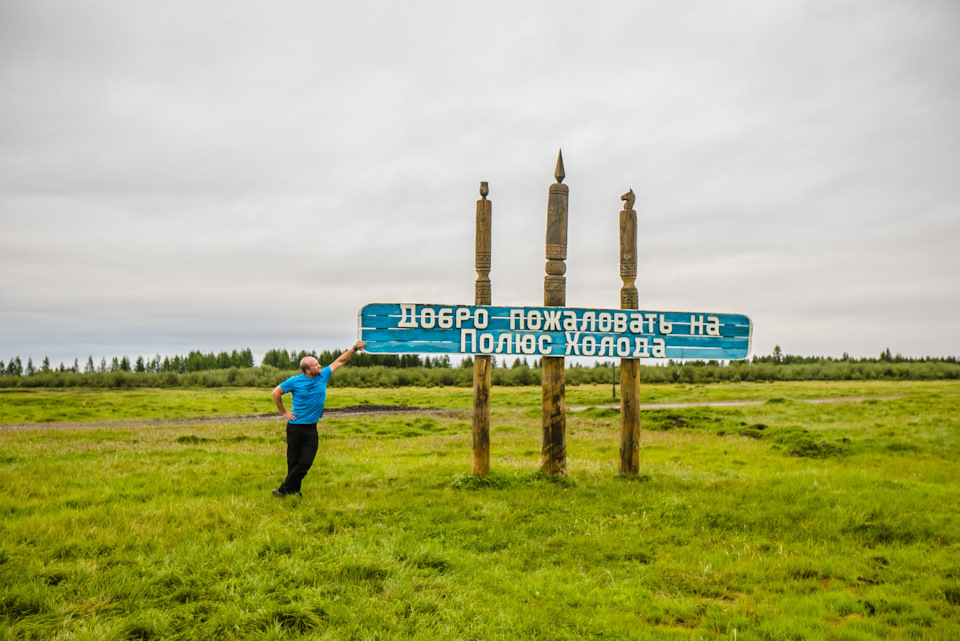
[
  {"x": 40, "y": 405},
  {"x": 783, "y": 520}
]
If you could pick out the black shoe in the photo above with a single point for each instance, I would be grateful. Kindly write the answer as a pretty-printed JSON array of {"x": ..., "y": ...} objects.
[{"x": 278, "y": 494}]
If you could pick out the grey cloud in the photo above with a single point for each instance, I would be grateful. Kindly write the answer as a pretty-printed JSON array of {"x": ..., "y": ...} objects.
[{"x": 169, "y": 171}]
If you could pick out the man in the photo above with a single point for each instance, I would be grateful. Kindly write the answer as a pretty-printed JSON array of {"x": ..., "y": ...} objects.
[{"x": 309, "y": 392}]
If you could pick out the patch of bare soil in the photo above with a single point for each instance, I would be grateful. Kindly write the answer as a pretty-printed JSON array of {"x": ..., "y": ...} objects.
[{"x": 376, "y": 409}]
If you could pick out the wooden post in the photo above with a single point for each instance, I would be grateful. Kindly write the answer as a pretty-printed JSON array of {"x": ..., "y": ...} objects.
[
  {"x": 481, "y": 363},
  {"x": 553, "y": 459},
  {"x": 629, "y": 367}
]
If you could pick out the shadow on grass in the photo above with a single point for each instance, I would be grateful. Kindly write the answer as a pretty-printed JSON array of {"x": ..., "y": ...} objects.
[{"x": 499, "y": 481}]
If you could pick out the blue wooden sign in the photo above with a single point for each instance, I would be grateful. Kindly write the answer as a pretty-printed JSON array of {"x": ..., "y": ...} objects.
[{"x": 407, "y": 328}]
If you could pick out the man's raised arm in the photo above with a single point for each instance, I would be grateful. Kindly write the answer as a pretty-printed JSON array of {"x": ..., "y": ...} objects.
[{"x": 346, "y": 356}]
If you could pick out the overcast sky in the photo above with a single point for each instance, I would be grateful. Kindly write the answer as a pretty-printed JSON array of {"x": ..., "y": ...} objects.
[{"x": 217, "y": 175}]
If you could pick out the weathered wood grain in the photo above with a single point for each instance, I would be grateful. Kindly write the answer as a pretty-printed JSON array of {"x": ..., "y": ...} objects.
[
  {"x": 554, "y": 420},
  {"x": 629, "y": 417},
  {"x": 481, "y": 415},
  {"x": 629, "y": 367},
  {"x": 553, "y": 459},
  {"x": 482, "y": 377}
]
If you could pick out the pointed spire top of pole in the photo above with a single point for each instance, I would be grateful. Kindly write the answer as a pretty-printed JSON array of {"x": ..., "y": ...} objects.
[{"x": 558, "y": 173}]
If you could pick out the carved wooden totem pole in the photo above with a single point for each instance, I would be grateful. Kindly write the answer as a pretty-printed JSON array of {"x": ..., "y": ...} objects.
[
  {"x": 481, "y": 363},
  {"x": 486, "y": 331},
  {"x": 553, "y": 459},
  {"x": 629, "y": 367}
]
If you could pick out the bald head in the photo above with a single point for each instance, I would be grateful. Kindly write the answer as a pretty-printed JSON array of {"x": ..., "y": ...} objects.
[{"x": 309, "y": 365}]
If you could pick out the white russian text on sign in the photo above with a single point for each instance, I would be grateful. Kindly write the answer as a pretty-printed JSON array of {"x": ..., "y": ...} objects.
[{"x": 553, "y": 331}]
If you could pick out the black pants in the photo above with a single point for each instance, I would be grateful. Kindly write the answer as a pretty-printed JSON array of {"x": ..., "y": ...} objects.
[{"x": 302, "y": 445}]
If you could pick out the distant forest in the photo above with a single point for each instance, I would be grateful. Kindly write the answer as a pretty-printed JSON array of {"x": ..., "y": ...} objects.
[{"x": 237, "y": 369}]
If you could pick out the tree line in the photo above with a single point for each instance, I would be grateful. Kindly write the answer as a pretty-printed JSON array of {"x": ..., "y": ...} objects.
[
  {"x": 196, "y": 361},
  {"x": 193, "y": 362},
  {"x": 236, "y": 369},
  {"x": 282, "y": 359}
]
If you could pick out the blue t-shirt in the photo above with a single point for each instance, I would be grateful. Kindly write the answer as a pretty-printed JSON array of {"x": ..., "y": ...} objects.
[{"x": 309, "y": 395}]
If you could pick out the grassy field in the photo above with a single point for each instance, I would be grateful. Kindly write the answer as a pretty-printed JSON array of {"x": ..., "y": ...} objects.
[
  {"x": 781, "y": 520},
  {"x": 43, "y": 405}
]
